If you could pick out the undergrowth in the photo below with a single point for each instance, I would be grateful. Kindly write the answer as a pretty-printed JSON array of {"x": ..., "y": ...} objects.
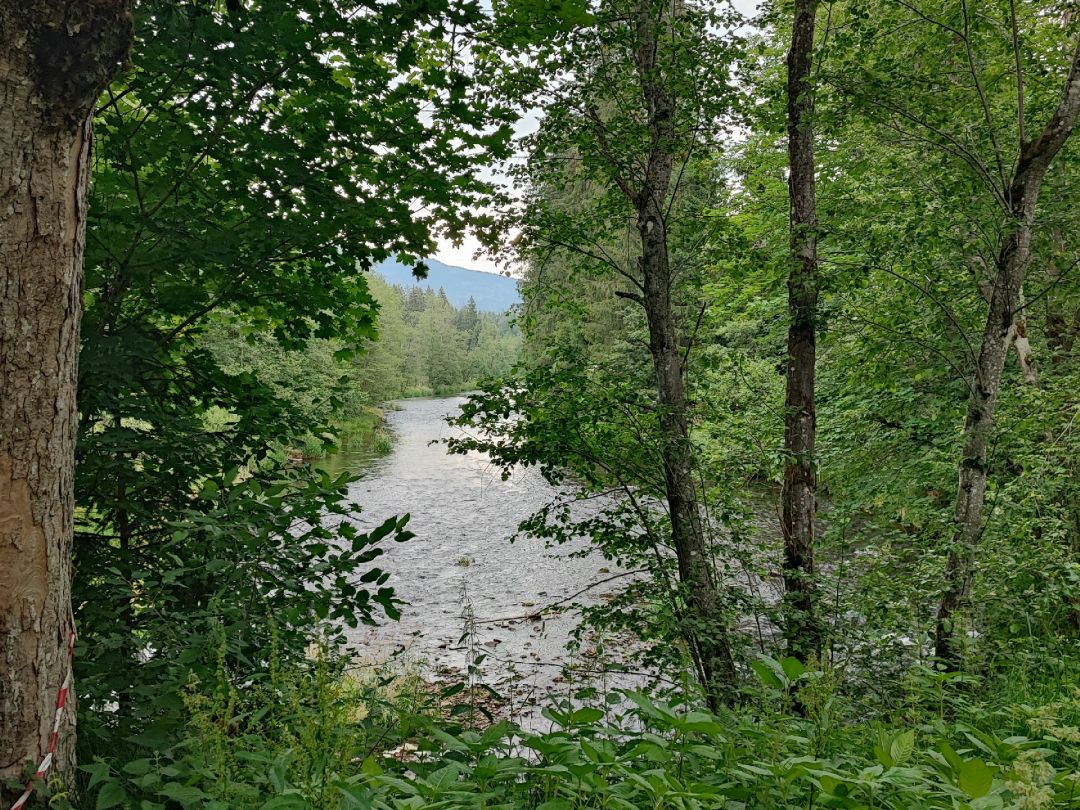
[{"x": 321, "y": 736}]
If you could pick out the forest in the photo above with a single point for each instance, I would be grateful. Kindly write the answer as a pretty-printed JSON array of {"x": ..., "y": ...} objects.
[
  {"x": 424, "y": 346},
  {"x": 795, "y": 377}
]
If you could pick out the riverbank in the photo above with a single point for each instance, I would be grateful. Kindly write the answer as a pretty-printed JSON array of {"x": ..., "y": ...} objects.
[
  {"x": 366, "y": 432},
  {"x": 362, "y": 432}
]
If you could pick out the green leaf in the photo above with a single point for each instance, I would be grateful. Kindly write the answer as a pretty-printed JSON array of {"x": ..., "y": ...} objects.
[
  {"x": 950, "y": 756},
  {"x": 769, "y": 672},
  {"x": 444, "y": 777},
  {"x": 793, "y": 668},
  {"x": 976, "y": 778},
  {"x": 289, "y": 801},
  {"x": 356, "y": 795},
  {"x": 383, "y": 529},
  {"x": 585, "y": 716},
  {"x": 110, "y": 795},
  {"x": 833, "y": 785},
  {"x": 902, "y": 746},
  {"x": 184, "y": 794},
  {"x": 883, "y": 749},
  {"x": 452, "y": 689},
  {"x": 98, "y": 771},
  {"x": 137, "y": 767}
]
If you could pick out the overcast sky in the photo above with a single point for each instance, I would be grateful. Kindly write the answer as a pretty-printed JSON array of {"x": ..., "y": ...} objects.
[{"x": 469, "y": 253}]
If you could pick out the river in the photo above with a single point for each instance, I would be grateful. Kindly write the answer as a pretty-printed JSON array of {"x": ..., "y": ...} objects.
[{"x": 462, "y": 563}]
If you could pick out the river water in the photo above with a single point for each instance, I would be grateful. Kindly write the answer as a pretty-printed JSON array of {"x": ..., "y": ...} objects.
[{"x": 461, "y": 564}]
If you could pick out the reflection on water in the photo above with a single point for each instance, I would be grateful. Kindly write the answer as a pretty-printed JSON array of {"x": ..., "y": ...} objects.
[{"x": 354, "y": 459}]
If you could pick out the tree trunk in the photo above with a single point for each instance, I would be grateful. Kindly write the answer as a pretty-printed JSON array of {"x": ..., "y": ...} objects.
[
  {"x": 799, "y": 495},
  {"x": 1017, "y": 336},
  {"x": 55, "y": 57},
  {"x": 1010, "y": 267},
  {"x": 706, "y": 628}
]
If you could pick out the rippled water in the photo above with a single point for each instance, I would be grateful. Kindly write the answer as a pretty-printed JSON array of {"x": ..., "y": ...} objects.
[{"x": 463, "y": 515}]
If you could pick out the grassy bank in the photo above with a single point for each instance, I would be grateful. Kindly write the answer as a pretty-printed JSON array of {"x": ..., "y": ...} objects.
[{"x": 363, "y": 430}]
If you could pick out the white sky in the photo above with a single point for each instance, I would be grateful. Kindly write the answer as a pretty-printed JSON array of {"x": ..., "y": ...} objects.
[{"x": 469, "y": 254}]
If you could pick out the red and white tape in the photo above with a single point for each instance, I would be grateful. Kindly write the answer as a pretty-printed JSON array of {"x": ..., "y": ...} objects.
[{"x": 54, "y": 737}]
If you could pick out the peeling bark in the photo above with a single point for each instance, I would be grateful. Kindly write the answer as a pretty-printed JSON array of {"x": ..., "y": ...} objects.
[
  {"x": 1010, "y": 268},
  {"x": 802, "y": 629},
  {"x": 55, "y": 58},
  {"x": 1017, "y": 337}
]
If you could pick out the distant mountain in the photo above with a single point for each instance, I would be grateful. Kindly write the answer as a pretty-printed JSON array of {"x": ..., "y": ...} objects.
[{"x": 492, "y": 293}]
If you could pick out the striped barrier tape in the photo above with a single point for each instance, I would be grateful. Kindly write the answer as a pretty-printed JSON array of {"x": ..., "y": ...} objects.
[{"x": 54, "y": 737}]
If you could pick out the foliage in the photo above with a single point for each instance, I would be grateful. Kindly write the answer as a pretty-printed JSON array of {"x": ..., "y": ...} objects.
[
  {"x": 252, "y": 162},
  {"x": 910, "y": 224},
  {"x": 301, "y": 741},
  {"x": 259, "y": 156},
  {"x": 424, "y": 346},
  {"x": 909, "y": 221},
  {"x": 265, "y": 536}
]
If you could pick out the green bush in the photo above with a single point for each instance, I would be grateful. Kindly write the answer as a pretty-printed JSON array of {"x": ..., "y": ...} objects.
[{"x": 314, "y": 736}]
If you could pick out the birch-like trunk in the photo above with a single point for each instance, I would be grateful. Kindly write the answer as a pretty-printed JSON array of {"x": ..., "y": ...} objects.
[
  {"x": 1017, "y": 336},
  {"x": 55, "y": 58},
  {"x": 1010, "y": 267}
]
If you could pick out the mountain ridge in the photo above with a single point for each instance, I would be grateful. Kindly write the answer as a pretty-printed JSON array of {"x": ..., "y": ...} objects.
[{"x": 490, "y": 291}]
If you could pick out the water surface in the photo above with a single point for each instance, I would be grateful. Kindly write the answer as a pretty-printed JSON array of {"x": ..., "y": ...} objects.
[{"x": 462, "y": 561}]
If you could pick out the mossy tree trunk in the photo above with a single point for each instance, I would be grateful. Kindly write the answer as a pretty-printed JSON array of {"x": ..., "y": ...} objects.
[{"x": 802, "y": 629}]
